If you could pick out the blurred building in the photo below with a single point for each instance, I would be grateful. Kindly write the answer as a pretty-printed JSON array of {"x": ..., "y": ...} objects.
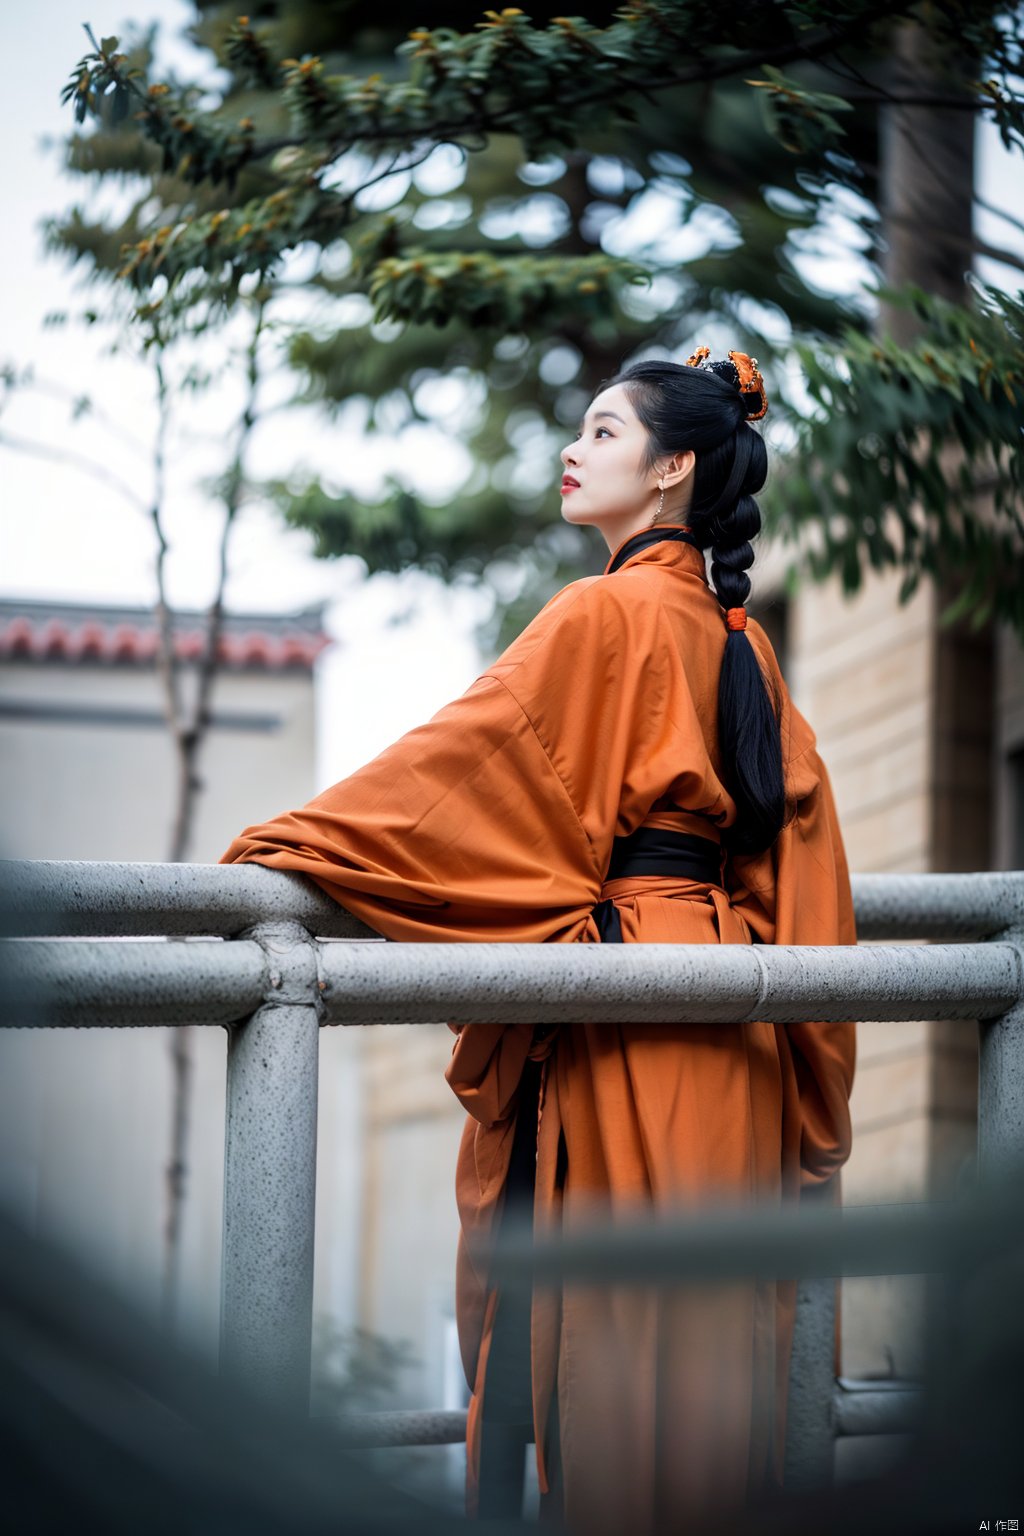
[
  {"x": 89, "y": 766},
  {"x": 89, "y": 772},
  {"x": 922, "y": 726}
]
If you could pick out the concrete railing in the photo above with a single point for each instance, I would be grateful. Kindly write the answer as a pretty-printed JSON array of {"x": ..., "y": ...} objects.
[{"x": 284, "y": 974}]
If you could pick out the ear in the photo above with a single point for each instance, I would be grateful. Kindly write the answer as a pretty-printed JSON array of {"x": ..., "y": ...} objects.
[{"x": 678, "y": 468}]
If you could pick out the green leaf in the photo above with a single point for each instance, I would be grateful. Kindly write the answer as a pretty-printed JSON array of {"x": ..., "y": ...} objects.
[{"x": 120, "y": 104}]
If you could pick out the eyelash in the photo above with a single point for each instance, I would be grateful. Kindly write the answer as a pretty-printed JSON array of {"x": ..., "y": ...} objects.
[{"x": 596, "y": 429}]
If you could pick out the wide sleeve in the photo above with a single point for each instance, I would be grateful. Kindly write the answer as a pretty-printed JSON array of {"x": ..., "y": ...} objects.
[
  {"x": 459, "y": 831},
  {"x": 799, "y": 893},
  {"x": 609, "y": 696}
]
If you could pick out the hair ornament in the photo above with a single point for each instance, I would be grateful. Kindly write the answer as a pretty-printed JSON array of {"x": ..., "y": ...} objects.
[
  {"x": 736, "y": 618},
  {"x": 742, "y": 371},
  {"x": 751, "y": 385}
]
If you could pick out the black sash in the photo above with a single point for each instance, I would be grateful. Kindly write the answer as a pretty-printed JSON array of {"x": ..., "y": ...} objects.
[{"x": 656, "y": 851}]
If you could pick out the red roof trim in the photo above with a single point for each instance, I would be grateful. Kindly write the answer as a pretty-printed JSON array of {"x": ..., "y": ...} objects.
[{"x": 93, "y": 641}]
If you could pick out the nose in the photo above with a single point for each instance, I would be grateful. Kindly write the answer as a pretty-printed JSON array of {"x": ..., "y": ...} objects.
[{"x": 567, "y": 456}]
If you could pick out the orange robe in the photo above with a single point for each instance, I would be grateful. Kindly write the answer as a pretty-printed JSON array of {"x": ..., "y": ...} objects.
[{"x": 495, "y": 821}]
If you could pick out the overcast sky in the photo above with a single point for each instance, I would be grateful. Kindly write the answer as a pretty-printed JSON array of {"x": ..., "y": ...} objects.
[{"x": 63, "y": 535}]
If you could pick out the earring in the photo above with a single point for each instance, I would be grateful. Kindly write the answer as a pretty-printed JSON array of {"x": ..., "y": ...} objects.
[{"x": 661, "y": 502}]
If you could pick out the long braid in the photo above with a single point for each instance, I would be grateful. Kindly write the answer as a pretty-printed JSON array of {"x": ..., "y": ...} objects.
[
  {"x": 706, "y": 408},
  {"x": 748, "y": 727}
]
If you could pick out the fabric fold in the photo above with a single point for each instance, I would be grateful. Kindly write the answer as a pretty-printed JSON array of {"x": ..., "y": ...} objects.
[{"x": 496, "y": 821}]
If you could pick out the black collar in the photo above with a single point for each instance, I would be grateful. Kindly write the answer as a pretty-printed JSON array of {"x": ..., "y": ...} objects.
[{"x": 644, "y": 540}]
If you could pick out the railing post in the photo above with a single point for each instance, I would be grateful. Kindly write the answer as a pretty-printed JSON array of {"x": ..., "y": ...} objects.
[
  {"x": 1001, "y": 1075},
  {"x": 810, "y": 1427},
  {"x": 270, "y": 1175}
]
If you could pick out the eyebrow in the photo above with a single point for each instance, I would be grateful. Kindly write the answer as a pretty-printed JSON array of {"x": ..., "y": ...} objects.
[{"x": 599, "y": 414}]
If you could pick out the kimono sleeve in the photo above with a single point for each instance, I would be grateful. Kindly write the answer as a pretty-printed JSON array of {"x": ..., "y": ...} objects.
[
  {"x": 602, "y": 679},
  {"x": 799, "y": 893},
  {"x": 459, "y": 831}
]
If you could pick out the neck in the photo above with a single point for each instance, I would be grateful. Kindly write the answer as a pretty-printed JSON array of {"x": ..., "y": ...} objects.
[
  {"x": 644, "y": 538},
  {"x": 615, "y": 531}
]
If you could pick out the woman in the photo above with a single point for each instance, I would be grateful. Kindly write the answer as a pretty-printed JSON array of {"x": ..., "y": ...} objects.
[{"x": 630, "y": 769}]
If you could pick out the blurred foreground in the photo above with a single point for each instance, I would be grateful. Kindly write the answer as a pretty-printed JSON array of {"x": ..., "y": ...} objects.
[{"x": 108, "y": 1429}]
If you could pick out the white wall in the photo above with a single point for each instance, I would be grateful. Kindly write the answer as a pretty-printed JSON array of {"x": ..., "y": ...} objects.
[{"x": 85, "y": 1115}]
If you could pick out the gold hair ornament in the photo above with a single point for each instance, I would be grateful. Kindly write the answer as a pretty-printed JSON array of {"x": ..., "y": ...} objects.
[{"x": 751, "y": 384}]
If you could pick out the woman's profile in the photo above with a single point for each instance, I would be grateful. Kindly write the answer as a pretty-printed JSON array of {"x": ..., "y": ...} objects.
[{"x": 631, "y": 769}]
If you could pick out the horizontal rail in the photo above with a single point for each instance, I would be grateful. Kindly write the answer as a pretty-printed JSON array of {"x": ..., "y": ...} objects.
[
  {"x": 858, "y": 1408},
  {"x": 785, "y": 1241},
  {"x": 88, "y": 898},
  {"x": 84, "y": 897},
  {"x": 79, "y": 982},
  {"x": 414, "y": 1426},
  {"x": 664, "y": 983},
  {"x": 949, "y": 907},
  {"x": 876, "y": 1407}
]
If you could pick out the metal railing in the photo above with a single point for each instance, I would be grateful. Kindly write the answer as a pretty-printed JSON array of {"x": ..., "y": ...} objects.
[{"x": 283, "y": 975}]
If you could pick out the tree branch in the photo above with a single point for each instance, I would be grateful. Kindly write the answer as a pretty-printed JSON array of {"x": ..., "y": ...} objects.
[
  {"x": 916, "y": 99},
  {"x": 167, "y": 662},
  {"x": 232, "y": 502},
  {"x": 77, "y": 461},
  {"x": 997, "y": 253},
  {"x": 55, "y": 391},
  {"x": 606, "y": 88},
  {"x": 969, "y": 244},
  {"x": 999, "y": 213}
]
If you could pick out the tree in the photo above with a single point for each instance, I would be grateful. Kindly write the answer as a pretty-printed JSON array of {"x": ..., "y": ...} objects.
[
  {"x": 915, "y": 445},
  {"x": 187, "y": 703},
  {"x": 507, "y": 88}
]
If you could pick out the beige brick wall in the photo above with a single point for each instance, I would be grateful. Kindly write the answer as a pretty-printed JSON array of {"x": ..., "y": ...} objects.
[
  {"x": 902, "y": 709},
  {"x": 862, "y": 670},
  {"x": 412, "y": 1126},
  {"x": 1008, "y": 788}
]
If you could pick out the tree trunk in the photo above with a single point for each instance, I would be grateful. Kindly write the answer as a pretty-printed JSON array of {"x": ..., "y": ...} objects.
[
  {"x": 189, "y": 725},
  {"x": 927, "y": 177},
  {"x": 927, "y": 203}
]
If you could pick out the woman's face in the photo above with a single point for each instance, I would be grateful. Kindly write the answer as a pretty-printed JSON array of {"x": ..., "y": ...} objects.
[{"x": 603, "y": 484}]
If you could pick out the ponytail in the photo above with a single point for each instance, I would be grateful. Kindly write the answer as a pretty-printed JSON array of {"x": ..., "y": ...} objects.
[{"x": 705, "y": 408}]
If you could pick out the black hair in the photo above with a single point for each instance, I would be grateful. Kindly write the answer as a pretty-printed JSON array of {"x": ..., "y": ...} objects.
[{"x": 702, "y": 409}]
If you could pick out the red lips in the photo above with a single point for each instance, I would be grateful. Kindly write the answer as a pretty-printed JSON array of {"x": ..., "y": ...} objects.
[{"x": 568, "y": 480}]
